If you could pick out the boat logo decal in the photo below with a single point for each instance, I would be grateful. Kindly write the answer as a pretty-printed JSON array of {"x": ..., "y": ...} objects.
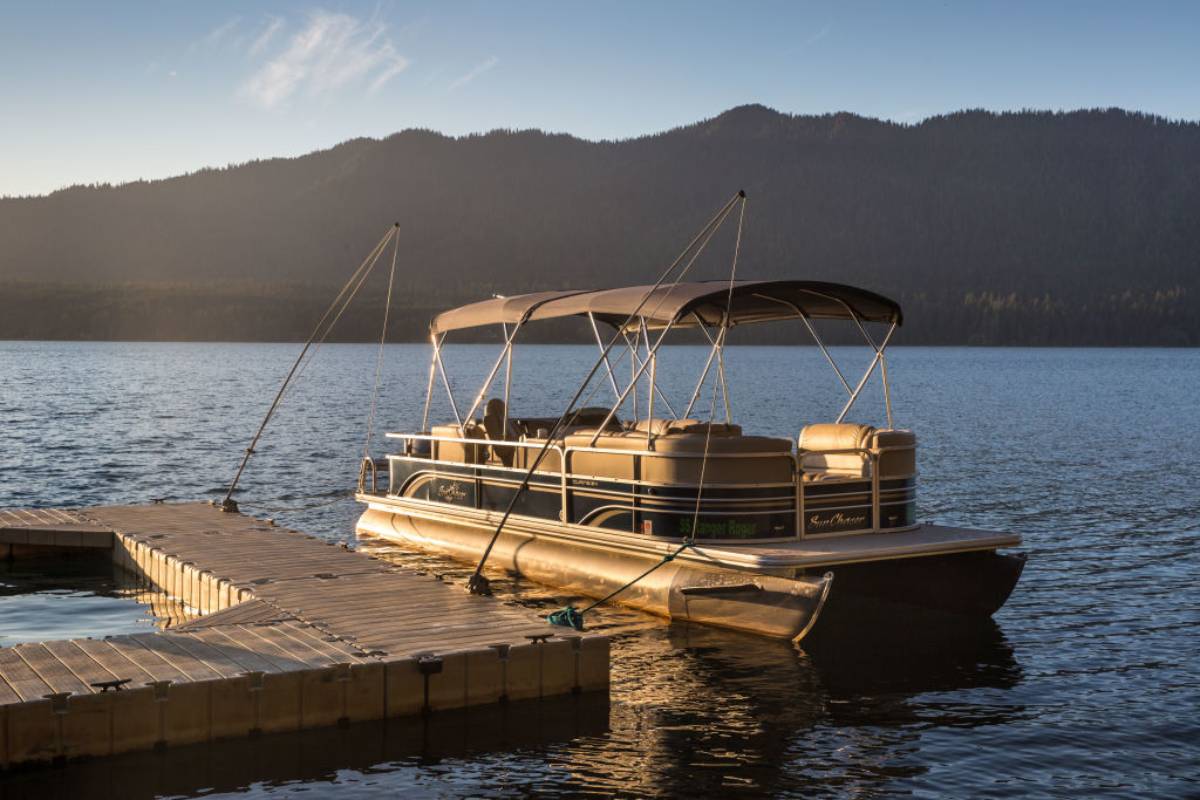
[
  {"x": 451, "y": 492},
  {"x": 836, "y": 520}
]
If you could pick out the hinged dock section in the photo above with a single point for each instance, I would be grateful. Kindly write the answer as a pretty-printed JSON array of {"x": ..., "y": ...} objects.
[{"x": 295, "y": 633}]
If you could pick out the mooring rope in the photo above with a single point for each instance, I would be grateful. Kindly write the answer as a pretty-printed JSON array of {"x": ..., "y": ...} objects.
[
  {"x": 478, "y": 583},
  {"x": 364, "y": 269},
  {"x": 571, "y": 617},
  {"x": 387, "y": 308}
]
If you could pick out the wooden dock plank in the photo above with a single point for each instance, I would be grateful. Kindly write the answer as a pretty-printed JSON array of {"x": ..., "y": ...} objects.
[
  {"x": 213, "y": 657},
  {"x": 150, "y": 662},
  {"x": 8, "y": 694},
  {"x": 23, "y": 679},
  {"x": 293, "y": 646},
  {"x": 165, "y": 646},
  {"x": 249, "y": 660},
  {"x": 313, "y": 639},
  {"x": 86, "y": 668},
  {"x": 269, "y": 657},
  {"x": 285, "y": 654},
  {"x": 103, "y": 653},
  {"x": 51, "y": 670}
]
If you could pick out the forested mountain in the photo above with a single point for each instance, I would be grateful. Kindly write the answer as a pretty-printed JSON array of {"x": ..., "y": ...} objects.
[{"x": 1015, "y": 228}]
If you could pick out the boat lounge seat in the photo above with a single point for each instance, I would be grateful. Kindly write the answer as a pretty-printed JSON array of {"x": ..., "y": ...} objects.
[
  {"x": 843, "y": 450},
  {"x": 457, "y": 451},
  {"x": 661, "y": 427},
  {"x": 677, "y": 458}
]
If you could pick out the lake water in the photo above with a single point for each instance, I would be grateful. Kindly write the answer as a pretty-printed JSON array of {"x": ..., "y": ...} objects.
[{"x": 1086, "y": 686}]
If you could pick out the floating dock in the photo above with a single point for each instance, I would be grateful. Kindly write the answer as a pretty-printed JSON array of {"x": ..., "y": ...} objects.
[{"x": 293, "y": 633}]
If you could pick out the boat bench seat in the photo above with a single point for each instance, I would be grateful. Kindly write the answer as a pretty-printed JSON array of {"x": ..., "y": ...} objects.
[
  {"x": 844, "y": 450},
  {"x": 661, "y": 427},
  {"x": 676, "y": 457},
  {"x": 458, "y": 451}
]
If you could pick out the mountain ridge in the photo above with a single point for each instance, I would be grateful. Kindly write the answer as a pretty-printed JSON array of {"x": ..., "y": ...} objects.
[{"x": 1048, "y": 215}]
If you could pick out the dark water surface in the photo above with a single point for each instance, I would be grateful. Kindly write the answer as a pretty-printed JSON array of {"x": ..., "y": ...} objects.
[{"x": 1085, "y": 686}]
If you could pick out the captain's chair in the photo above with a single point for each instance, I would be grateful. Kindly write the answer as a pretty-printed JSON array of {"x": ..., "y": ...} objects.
[{"x": 500, "y": 429}]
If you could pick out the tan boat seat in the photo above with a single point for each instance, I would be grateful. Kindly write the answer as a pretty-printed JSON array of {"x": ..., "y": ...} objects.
[
  {"x": 661, "y": 427},
  {"x": 677, "y": 458},
  {"x": 817, "y": 441},
  {"x": 457, "y": 451},
  {"x": 896, "y": 450}
]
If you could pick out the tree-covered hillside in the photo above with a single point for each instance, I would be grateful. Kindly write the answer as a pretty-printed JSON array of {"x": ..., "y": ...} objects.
[{"x": 1018, "y": 228}]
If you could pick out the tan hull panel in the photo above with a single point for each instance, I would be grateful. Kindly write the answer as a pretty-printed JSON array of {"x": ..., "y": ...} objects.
[{"x": 760, "y": 604}]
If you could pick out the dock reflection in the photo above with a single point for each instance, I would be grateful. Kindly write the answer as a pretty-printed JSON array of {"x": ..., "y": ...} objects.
[{"x": 318, "y": 757}]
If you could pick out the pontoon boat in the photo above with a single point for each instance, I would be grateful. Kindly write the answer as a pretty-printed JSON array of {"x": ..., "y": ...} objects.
[{"x": 763, "y": 530}]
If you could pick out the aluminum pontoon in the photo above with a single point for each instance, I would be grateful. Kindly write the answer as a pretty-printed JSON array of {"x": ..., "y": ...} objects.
[{"x": 763, "y": 530}]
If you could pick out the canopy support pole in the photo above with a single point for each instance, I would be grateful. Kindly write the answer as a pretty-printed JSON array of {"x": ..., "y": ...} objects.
[
  {"x": 653, "y": 384},
  {"x": 437, "y": 357},
  {"x": 487, "y": 382},
  {"x": 637, "y": 376},
  {"x": 887, "y": 393},
  {"x": 721, "y": 373},
  {"x": 825, "y": 351},
  {"x": 612, "y": 378},
  {"x": 433, "y": 341},
  {"x": 707, "y": 366},
  {"x": 813, "y": 331},
  {"x": 867, "y": 375},
  {"x": 507, "y": 378}
]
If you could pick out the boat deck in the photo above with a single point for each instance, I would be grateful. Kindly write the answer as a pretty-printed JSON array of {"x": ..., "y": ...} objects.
[
  {"x": 926, "y": 540},
  {"x": 294, "y": 632}
]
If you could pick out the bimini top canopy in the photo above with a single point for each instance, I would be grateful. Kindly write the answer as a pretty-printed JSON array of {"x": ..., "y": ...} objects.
[
  {"x": 510, "y": 310},
  {"x": 684, "y": 304}
]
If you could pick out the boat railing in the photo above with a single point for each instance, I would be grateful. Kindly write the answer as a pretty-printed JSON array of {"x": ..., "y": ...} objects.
[
  {"x": 368, "y": 474},
  {"x": 566, "y": 478}
]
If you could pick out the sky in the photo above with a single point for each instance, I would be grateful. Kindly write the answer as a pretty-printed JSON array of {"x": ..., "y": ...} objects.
[{"x": 112, "y": 92}]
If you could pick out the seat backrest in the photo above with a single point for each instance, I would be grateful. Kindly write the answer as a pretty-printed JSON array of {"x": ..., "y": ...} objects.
[
  {"x": 457, "y": 451},
  {"x": 499, "y": 429},
  {"x": 816, "y": 442},
  {"x": 897, "y": 452},
  {"x": 836, "y": 436},
  {"x": 661, "y": 427}
]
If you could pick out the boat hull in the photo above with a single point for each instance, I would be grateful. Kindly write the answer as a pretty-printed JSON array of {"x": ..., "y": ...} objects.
[
  {"x": 766, "y": 605},
  {"x": 933, "y": 590}
]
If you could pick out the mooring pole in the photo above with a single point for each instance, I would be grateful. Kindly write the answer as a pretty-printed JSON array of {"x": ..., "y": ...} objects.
[{"x": 229, "y": 504}]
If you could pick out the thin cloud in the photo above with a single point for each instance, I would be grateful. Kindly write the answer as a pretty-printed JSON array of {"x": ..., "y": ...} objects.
[
  {"x": 818, "y": 36},
  {"x": 332, "y": 51},
  {"x": 474, "y": 72},
  {"x": 274, "y": 25},
  {"x": 218, "y": 34}
]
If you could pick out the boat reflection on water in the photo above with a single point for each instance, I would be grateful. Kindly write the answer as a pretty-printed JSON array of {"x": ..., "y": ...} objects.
[{"x": 726, "y": 709}]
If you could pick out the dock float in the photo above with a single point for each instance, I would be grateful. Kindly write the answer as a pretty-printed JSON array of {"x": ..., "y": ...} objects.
[{"x": 293, "y": 633}]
